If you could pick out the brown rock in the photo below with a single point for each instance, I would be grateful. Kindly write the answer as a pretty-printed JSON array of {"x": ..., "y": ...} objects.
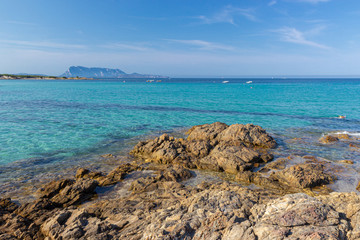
[
  {"x": 118, "y": 174},
  {"x": 176, "y": 174},
  {"x": 68, "y": 192},
  {"x": 301, "y": 216},
  {"x": 76, "y": 193},
  {"x": 305, "y": 175},
  {"x": 343, "y": 136},
  {"x": 328, "y": 139},
  {"x": 51, "y": 189},
  {"x": 248, "y": 134},
  {"x": 346, "y": 161},
  {"x": 7, "y": 206},
  {"x": 231, "y": 159},
  {"x": 206, "y": 132},
  {"x": 85, "y": 173}
]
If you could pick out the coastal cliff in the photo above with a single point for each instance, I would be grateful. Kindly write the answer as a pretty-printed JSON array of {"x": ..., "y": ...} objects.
[{"x": 254, "y": 197}]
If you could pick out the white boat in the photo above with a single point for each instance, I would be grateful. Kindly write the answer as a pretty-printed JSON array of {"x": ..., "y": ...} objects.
[
  {"x": 248, "y": 82},
  {"x": 225, "y": 81}
]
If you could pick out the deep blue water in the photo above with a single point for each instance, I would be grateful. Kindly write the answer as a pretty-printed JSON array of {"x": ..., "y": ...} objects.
[{"x": 47, "y": 123}]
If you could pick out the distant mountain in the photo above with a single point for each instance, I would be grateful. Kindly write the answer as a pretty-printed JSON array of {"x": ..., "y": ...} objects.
[{"x": 96, "y": 72}]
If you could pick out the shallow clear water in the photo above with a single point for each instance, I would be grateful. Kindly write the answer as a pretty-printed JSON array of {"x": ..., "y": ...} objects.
[{"x": 48, "y": 124}]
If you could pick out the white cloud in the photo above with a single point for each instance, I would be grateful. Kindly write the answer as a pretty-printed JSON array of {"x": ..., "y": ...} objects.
[
  {"x": 295, "y": 36},
  {"x": 122, "y": 46},
  {"x": 21, "y": 23},
  {"x": 40, "y": 44},
  {"x": 273, "y": 2},
  {"x": 312, "y": 1},
  {"x": 203, "y": 45},
  {"x": 227, "y": 15}
]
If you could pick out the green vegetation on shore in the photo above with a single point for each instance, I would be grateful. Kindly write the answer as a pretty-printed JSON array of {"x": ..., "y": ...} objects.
[{"x": 29, "y": 76}]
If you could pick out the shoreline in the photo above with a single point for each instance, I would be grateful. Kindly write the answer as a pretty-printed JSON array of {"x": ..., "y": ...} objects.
[
  {"x": 168, "y": 172},
  {"x": 100, "y": 162}
]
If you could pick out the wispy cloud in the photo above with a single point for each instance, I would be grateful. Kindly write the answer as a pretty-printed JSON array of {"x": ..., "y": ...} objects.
[
  {"x": 41, "y": 44},
  {"x": 295, "y": 36},
  {"x": 228, "y": 15},
  {"x": 312, "y": 1},
  {"x": 21, "y": 23},
  {"x": 203, "y": 45},
  {"x": 273, "y": 2},
  {"x": 123, "y": 46}
]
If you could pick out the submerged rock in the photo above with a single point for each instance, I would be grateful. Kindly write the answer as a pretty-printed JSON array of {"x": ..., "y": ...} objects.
[{"x": 328, "y": 139}]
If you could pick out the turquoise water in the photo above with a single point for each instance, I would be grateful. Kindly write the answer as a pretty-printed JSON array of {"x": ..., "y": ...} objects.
[{"x": 44, "y": 124}]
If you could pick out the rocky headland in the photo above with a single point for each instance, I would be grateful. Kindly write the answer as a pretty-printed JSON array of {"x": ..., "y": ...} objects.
[{"x": 255, "y": 196}]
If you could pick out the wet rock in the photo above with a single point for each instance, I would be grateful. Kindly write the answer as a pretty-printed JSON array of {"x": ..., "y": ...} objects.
[
  {"x": 328, "y": 139},
  {"x": 7, "y": 206},
  {"x": 68, "y": 192},
  {"x": 306, "y": 175},
  {"x": 118, "y": 174},
  {"x": 300, "y": 217},
  {"x": 85, "y": 173},
  {"x": 346, "y": 161},
  {"x": 108, "y": 155},
  {"x": 176, "y": 174},
  {"x": 343, "y": 136},
  {"x": 76, "y": 193},
  {"x": 51, "y": 189},
  {"x": 37, "y": 211},
  {"x": 278, "y": 164},
  {"x": 354, "y": 146}
]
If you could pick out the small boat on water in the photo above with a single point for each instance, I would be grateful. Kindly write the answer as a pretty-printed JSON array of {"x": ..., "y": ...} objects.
[
  {"x": 150, "y": 81},
  {"x": 225, "y": 81},
  {"x": 248, "y": 82}
]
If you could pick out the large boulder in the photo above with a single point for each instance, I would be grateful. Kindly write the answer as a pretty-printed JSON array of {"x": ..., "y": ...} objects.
[
  {"x": 206, "y": 132},
  {"x": 231, "y": 159},
  {"x": 68, "y": 192},
  {"x": 306, "y": 175},
  {"x": 216, "y": 146},
  {"x": 249, "y": 134}
]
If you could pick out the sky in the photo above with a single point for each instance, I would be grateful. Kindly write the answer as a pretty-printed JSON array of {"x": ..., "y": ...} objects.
[{"x": 182, "y": 38}]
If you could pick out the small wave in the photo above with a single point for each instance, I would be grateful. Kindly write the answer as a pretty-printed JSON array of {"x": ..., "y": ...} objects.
[{"x": 356, "y": 134}]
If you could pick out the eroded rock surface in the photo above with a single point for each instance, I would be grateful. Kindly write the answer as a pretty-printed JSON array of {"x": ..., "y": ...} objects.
[
  {"x": 214, "y": 146},
  {"x": 161, "y": 205}
]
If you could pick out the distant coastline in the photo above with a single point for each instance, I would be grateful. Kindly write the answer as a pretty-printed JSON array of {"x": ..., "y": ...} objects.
[{"x": 37, "y": 77}]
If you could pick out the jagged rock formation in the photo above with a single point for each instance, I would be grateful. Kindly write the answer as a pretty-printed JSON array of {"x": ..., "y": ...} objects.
[{"x": 162, "y": 205}]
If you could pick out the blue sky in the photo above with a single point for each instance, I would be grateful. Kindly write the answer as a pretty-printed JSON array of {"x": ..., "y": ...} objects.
[{"x": 182, "y": 38}]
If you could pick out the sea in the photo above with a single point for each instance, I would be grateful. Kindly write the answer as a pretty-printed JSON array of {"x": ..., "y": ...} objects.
[{"x": 49, "y": 128}]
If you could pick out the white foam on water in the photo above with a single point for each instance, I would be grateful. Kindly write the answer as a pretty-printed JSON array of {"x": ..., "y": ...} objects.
[{"x": 356, "y": 134}]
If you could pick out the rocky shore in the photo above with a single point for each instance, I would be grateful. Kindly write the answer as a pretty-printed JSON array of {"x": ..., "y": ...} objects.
[{"x": 258, "y": 197}]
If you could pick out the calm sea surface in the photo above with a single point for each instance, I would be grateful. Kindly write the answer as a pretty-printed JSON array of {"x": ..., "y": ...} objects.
[{"x": 47, "y": 125}]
